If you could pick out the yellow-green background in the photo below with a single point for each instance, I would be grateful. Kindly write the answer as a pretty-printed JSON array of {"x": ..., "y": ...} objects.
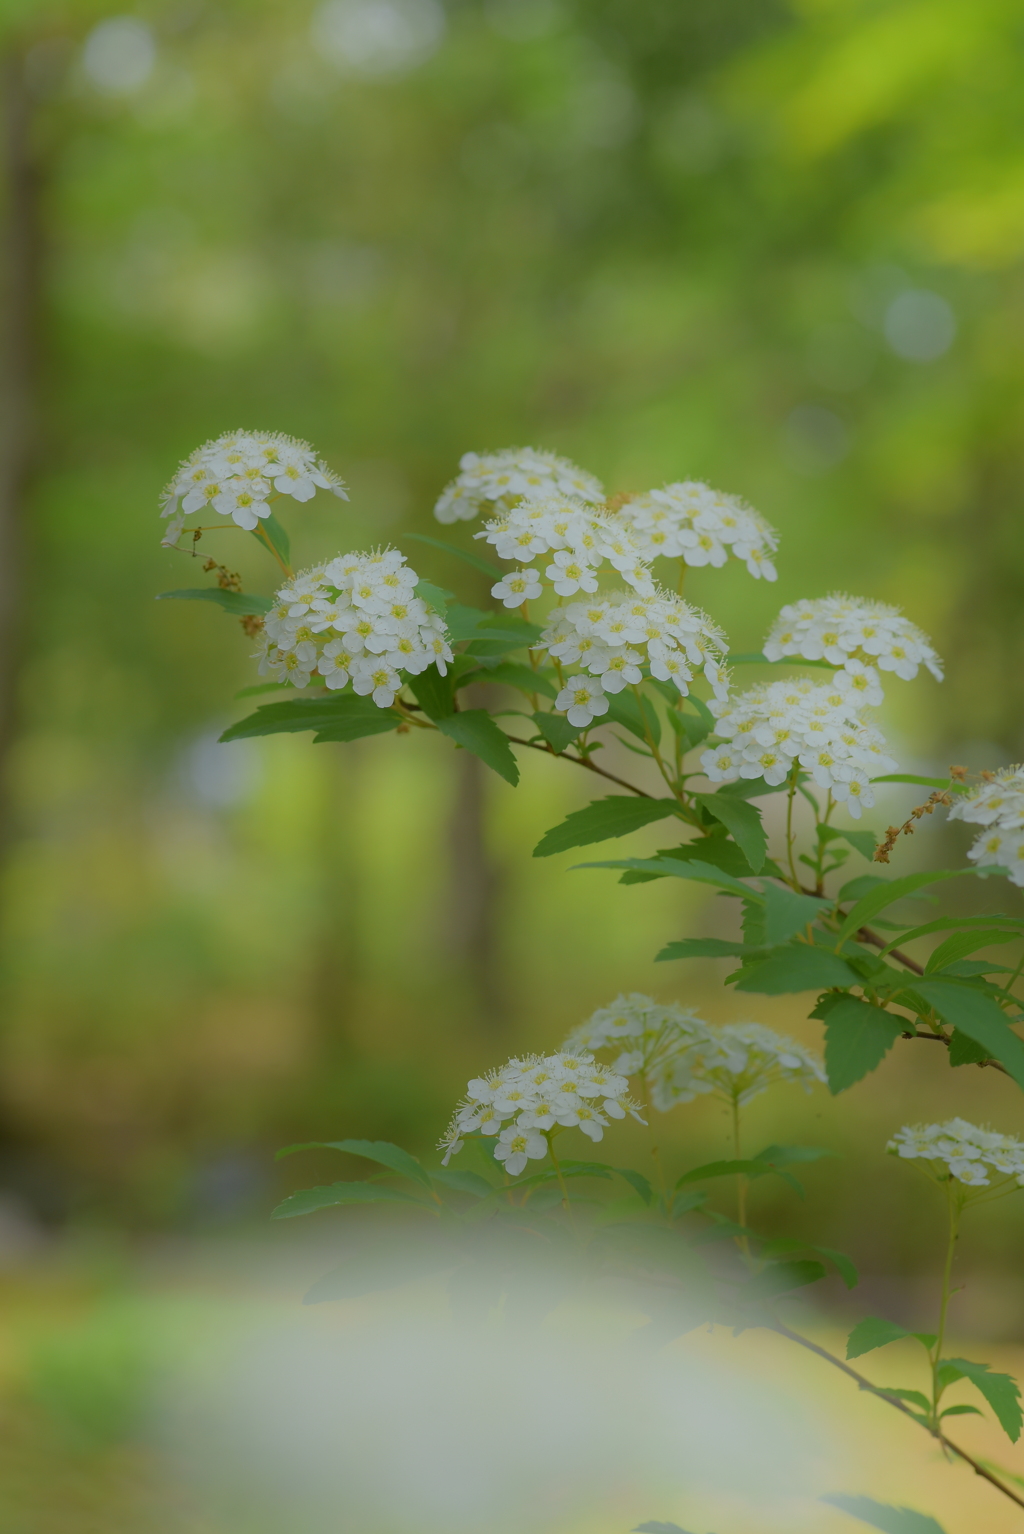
[{"x": 640, "y": 232}]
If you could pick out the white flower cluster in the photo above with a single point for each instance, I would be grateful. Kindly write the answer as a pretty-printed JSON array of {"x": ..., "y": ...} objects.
[
  {"x": 618, "y": 634},
  {"x": 963, "y": 1150},
  {"x": 529, "y": 1097},
  {"x": 500, "y": 479},
  {"x": 775, "y": 725},
  {"x": 701, "y": 526},
  {"x": 239, "y": 474},
  {"x": 681, "y": 1056},
  {"x": 998, "y": 806},
  {"x": 355, "y": 619},
  {"x": 578, "y": 539},
  {"x": 847, "y": 630}
]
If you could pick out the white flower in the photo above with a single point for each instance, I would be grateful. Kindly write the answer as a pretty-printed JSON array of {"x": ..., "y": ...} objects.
[
  {"x": 517, "y": 587},
  {"x": 355, "y": 618},
  {"x": 775, "y": 726},
  {"x": 498, "y": 480},
  {"x": 575, "y": 534},
  {"x": 570, "y": 574},
  {"x": 961, "y": 1150},
  {"x": 856, "y": 634},
  {"x": 517, "y": 1145},
  {"x": 582, "y": 699},
  {"x": 997, "y": 805},
  {"x": 701, "y": 526},
  {"x": 235, "y": 474}
]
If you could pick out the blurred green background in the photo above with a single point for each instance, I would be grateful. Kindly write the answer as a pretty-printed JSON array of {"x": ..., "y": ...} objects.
[{"x": 777, "y": 246}]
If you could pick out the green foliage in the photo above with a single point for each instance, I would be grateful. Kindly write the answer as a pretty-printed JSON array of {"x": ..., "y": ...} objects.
[
  {"x": 780, "y": 1278},
  {"x": 476, "y": 731},
  {"x": 270, "y": 528},
  {"x": 239, "y": 604},
  {"x": 636, "y": 714},
  {"x": 309, "y": 1199},
  {"x": 795, "y": 967},
  {"x": 975, "y": 1013},
  {"x": 512, "y": 674},
  {"x": 702, "y": 948},
  {"x": 556, "y": 730},
  {"x": 742, "y": 821},
  {"x": 341, "y": 717},
  {"x": 604, "y": 819},
  {"x": 890, "y": 1520},
  {"x": 381, "y": 1151},
  {"x": 962, "y": 943},
  {"x": 887, "y": 891},
  {"x": 754, "y": 1167},
  {"x": 468, "y": 555},
  {"x": 779, "y": 915},
  {"x": 862, "y": 841},
  {"x": 858, "y": 1036},
  {"x": 871, "y": 1333},
  {"x": 1000, "y": 1390}
]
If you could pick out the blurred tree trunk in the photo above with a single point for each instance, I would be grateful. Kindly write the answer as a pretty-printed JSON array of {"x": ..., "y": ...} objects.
[
  {"x": 473, "y": 906},
  {"x": 21, "y": 254},
  {"x": 336, "y": 957}
]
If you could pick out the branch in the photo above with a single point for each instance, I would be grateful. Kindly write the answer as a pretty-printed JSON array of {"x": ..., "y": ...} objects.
[
  {"x": 865, "y": 1384},
  {"x": 582, "y": 761},
  {"x": 877, "y": 941}
]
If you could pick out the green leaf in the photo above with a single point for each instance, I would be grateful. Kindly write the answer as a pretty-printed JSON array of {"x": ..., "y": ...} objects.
[
  {"x": 872, "y": 1333},
  {"x": 966, "y": 1007},
  {"x": 434, "y": 693},
  {"x": 964, "y": 1050},
  {"x": 468, "y": 555},
  {"x": 842, "y": 1264},
  {"x": 702, "y": 948},
  {"x": 309, "y": 1199},
  {"x": 911, "y": 777},
  {"x": 512, "y": 674},
  {"x": 463, "y": 1181},
  {"x": 556, "y": 730},
  {"x": 240, "y": 604},
  {"x": 742, "y": 821},
  {"x": 277, "y": 536},
  {"x": 717, "y": 850},
  {"x": 858, "y": 1036},
  {"x": 945, "y": 923},
  {"x": 914, "y": 1397},
  {"x": 676, "y": 868},
  {"x": 862, "y": 841},
  {"x": 690, "y": 728},
  {"x": 345, "y": 715},
  {"x": 780, "y": 1278},
  {"x": 853, "y": 889},
  {"x": 476, "y": 731},
  {"x": 961, "y": 1411},
  {"x": 755, "y": 788},
  {"x": 795, "y": 967},
  {"x": 634, "y": 714},
  {"x": 791, "y": 1155},
  {"x": 786, "y": 913},
  {"x": 601, "y": 821},
  {"x": 1000, "y": 1391},
  {"x": 889, "y": 891},
  {"x": 962, "y": 943},
  {"x": 737, "y": 1168},
  {"x": 878, "y": 1515},
  {"x": 638, "y": 1182},
  {"x": 381, "y": 1151},
  {"x": 434, "y": 596}
]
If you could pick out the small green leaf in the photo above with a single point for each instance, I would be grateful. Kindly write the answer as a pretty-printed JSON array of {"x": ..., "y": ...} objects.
[
  {"x": 889, "y": 891},
  {"x": 961, "y": 1411},
  {"x": 842, "y": 1264},
  {"x": 434, "y": 693},
  {"x": 273, "y": 530},
  {"x": 963, "y": 1050},
  {"x": 676, "y": 868},
  {"x": 862, "y": 841},
  {"x": 240, "y": 604},
  {"x": 914, "y": 1397},
  {"x": 780, "y": 1278},
  {"x": 872, "y": 1333},
  {"x": 787, "y": 913},
  {"x": 556, "y": 730},
  {"x": 634, "y": 714},
  {"x": 637, "y": 1181},
  {"x": 975, "y": 1013},
  {"x": 434, "y": 596},
  {"x": 702, "y": 948},
  {"x": 381, "y": 1151},
  {"x": 791, "y": 1155},
  {"x": 345, "y": 715},
  {"x": 858, "y": 1036},
  {"x": 742, "y": 821},
  {"x": 853, "y": 889},
  {"x": 601, "y": 821},
  {"x": 468, "y": 555},
  {"x": 512, "y": 674},
  {"x": 890, "y": 1520},
  {"x": 690, "y": 728},
  {"x": 476, "y": 731},
  {"x": 309, "y": 1199},
  {"x": 911, "y": 777},
  {"x": 1000, "y": 1391},
  {"x": 962, "y": 943},
  {"x": 737, "y": 1168},
  {"x": 795, "y": 967}
]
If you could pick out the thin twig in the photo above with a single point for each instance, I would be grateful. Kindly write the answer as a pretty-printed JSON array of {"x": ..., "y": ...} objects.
[
  {"x": 583, "y": 761},
  {"x": 878, "y": 941},
  {"x": 865, "y": 1384}
]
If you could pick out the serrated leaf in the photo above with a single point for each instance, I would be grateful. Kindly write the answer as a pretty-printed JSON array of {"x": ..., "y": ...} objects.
[
  {"x": 871, "y": 1333},
  {"x": 240, "y": 604},
  {"x": 676, "y": 868},
  {"x": 381, "y": 1151},
  {"x": 961, "y": 1411},
  {"x": 556, "y": 730},
  {"x": 889, "y": 891},
  {"x": 879, "y": 1515},
  {"x": 858, "y": 1036},
  {"x": 842, "y": 1264},
  {"x": 346, "y": 716},
  {"x": 1000, "y": 1391},
  {"x": 690, "y": 728},
  {"x": 434, "y": 693},
  {"x": 309, "y": 1199},
  {"x": 793, "y": 968},
  {"x": 737, "y": 1167},
  {"x": 948, "y": 923},
  {"x": 277, "y": 536},
  {"x": 962, "y": 943},
  {"x": 513, "y": 674},
  {"x": 434, "y": 596},
  {"x": 972, "y": 1011},
  {"x": 634, "y": 714},
  {"x": 742, "y": 821},
  {"x": 862, "y": 841},
  {"x": 601, "y": 821},
  {"x": 786, "y": 913},
  {"x": 476, "y": 731},
  {"x": 702, "y": 948},
  {"x": 853, "y": 889},
  {"x": 963, "y": 1050},
  {"x": 780, "y": 1278},
  {"x": 471, "y": 558}
]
